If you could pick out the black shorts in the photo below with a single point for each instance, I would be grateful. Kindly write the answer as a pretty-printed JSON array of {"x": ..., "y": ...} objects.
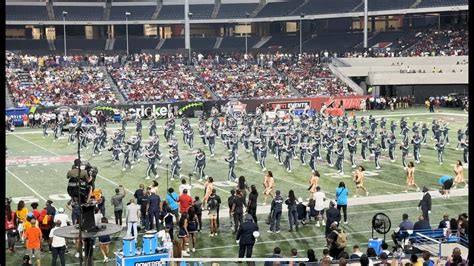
[
  {"x": 182, "y": 233},
  {"x": 448, "y": 184}
]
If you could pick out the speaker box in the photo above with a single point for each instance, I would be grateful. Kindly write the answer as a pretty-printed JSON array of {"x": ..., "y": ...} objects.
[{"x": 88, "y": 221}]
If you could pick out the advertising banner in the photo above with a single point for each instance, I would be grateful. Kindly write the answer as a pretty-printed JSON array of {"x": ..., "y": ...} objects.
[{"x": 17, "y": 114}]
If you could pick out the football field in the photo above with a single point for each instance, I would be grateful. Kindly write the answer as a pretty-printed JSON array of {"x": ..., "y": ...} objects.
[{"x": 36, "y": 171}]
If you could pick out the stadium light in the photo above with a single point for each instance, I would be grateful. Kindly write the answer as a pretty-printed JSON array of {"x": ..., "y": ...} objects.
[
  {"x": 190, "y": 15},
  {"x": 127, "y": 14},
  {"x": 301, "y": 33},
  {"x": 247, "y": 15},
  {"x": 64, "y": 29}
]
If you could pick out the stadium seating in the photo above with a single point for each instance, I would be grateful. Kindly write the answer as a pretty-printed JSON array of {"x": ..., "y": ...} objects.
[
  {"x": 436, "y": 3},
  {"x": 13, "y": 12},
  {"x": 201, "y": 11},
  {"x": 170, "y": 12},
  {"x": 286, "y": 41},
  {"x": 328, "y": 6},
  {"x": 238, "y": 42},
  {"x": 203, "y": 43},
  {"x": 158, "y": 83},
  {"x": 235, "y": 10},
  {"x": 136, "y": 12},
  {"x": 136, "y": 44},
  {"x": 334, "y": 42},
  {"x": 236, "y": 79},
  {"x": 80, "y": 44},
  {"x": 173, "y": 43},
  {"x": 377, "y": 5},
  {"x": 396, "y": 38},
  {"x": 275, "y": 9},
  {"x": 17, "y": 44},
  {"x": 80, "y": 13}
]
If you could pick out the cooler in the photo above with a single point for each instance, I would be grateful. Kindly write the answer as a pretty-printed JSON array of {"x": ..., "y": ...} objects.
[
  {"x": 376, "y": 244},
  {"x": 155, "y": 238},
  {"x": 149, "y": 244},
  {"x": 128, "y": 246}
]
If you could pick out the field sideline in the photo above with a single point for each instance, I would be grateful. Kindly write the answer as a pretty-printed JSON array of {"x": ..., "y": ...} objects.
[{"x": 36, "y": 171}]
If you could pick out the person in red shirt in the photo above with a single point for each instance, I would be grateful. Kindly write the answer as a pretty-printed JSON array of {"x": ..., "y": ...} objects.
[
  {"x": 10, "y": 227},
  {"x": 185, "y": 201},
  {"x": 35, "y": 211},
  {"x": 33, "y": 241}
]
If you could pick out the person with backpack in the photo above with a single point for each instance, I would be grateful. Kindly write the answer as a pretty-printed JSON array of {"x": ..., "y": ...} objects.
[
  {"x": 341, "y": 199},
  {"x": 172, "y": 198},
  {"x": 212, "y": 208},
  {"x": 337, "y": 240}
]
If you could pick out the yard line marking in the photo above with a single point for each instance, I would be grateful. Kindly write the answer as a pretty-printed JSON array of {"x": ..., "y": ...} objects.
[
  {"x": 52, "y": 152},
  {"x": 26, "y": 185}
]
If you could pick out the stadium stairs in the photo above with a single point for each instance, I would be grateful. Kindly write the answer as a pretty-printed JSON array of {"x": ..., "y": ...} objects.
[
  {"x": 157, "y": 10},
  {"x": 108, "y": 7},
  {"x": 356, "y": 88},
  {"x": 417, "y": 2},
  {"x": 258, "y": 9},
  {"x": 290, "y": 85},
  {"x": 297, "y": 8},
  {"x": 112, "y": 83},
  {"x": 49, "y": 7},
  {"x": 217, "y": 6},
  {"x": 361, "y": 4},
  {"x": 218, "y": 42},
  {"x": 208, "y": 89},
  {"x": 262, "y": 42}
]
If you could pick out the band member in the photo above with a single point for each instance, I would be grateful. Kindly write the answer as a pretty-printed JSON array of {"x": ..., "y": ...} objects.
[
  {"x": 72, "y": 135},
  {"x": 303, "y": 151},
  {"x": 460, "y": 138},
  {"x": 96, "y": 145},
  {"x": 152, "y": 157},
  {"x": 288, "y": 157},
  {"x": 352, "y": 147},
  {"x": 392, "y": 142},
  {"x": 411, "y": 177},
  {"x": 393, "y": 127},
  {"x": 44, "y": 124},
  {"x": 201, "y": 164},
  {"x": 383, "y": 139},
  {"x": 459, "y": 174},
  {"x": 268, "y": 186},
  {"x": 313, "y": 183},
  {"x": 211, "y": 140},
  {"x": 175, "y": 164},
  {"x": 424, "y": 133},
  {"x": 363, "y": 149},
  {"x": 202, "y": 129},
  {"x": 262, "y": 150},
  {"x": 255, "y": 143},
  {"x": 339, "y": 161},
  {"x": 359, "y": 177},
  {"x": 231, "y": 160},
  {"x": 126, "y": 157},
  {"x": 416, "y": 141},
  {"x": 152, "y": 128},
  {"x": 313, "y": 152},
  {"x": 377, "y": 152},
  {"x": 465, "y": 148},
  {"x": 329, "y": 146},
  {"x": 138, "y": 124},
  {"x": 115, "y": 152},
  {"x": 440, "y": 148},
  {"x": 405, "y": 148}
]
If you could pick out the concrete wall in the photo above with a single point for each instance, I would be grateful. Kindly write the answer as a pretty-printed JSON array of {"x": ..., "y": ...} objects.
[
  {"x": 417, "y": 79},
  {"x": 411, "y": 61}
]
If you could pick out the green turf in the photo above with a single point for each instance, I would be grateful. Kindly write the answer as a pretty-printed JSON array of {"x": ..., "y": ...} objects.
[{"x": 46, "y": 180}]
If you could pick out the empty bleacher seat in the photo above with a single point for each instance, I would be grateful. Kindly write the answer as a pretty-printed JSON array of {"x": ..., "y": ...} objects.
[
  {"x": 136, "y": 12},
  {"x": 201, "y": 11},
  {"x": 169, "y": 12},
  {"x": 173, "y": 43},
  {"x": 238, "y": 42},
  {"x": 26, "y": 12},
  {"x": 334, "y": 42},
  {"x": 136, "y": 44},
  {"x": 235, "y": 10},
  {"x": 80, "y": 44},
  {"x": 328, "y": 6},
  {"x": 286, "y": 41},
  {"x": 81, "y": 13},
  {"x": 203, "y": 43},
  {"x": 18, "y": 44},
  {"x": 276, "y": 9},
  {"x": 377, "y": 5},
  {"x": 436, "y": 3}
]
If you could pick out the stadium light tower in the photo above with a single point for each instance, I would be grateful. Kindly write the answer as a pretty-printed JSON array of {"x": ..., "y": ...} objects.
[
  {"x": 301, "y": 33},
  {"x": 247, "y": 15},
  {"x": 187, "y": 29},
  {"x": 127, "y": 14},
  {"x": 64, "y": 29},
  {"x": 366, "y": 21}
]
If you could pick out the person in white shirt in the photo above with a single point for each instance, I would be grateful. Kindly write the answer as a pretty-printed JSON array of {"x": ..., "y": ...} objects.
[
  {"x": 133, "y": 212},
  {"x": 58, "y": 245},
  {"x": 62, "y": 217},
  {"x": 320, "y": 204},
  {"x": 184, "y": 186},
  {"x": 97, "y": 216}
]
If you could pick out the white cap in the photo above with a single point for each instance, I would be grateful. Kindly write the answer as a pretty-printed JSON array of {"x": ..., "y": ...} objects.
[{"x": 61, "y": 210}]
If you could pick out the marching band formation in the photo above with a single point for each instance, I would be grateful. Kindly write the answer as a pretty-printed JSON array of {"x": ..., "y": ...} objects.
[{"x": 287, "y": 139}]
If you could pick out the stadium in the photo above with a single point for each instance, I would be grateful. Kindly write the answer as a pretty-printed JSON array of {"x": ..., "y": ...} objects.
[{"x": 232, "y": 132}]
